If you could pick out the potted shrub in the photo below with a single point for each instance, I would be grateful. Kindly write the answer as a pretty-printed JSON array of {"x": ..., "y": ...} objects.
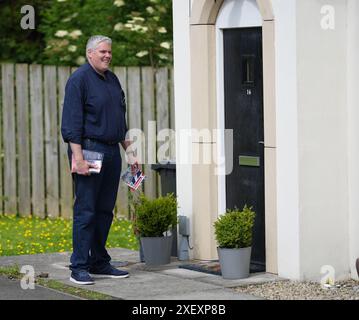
[
  {"x": 233, "y": 232},
  {"x": 153, "y": 219}
]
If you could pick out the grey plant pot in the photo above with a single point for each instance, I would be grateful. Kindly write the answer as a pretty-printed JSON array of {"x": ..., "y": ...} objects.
[
  {"x": 157, "y": 250},
  {"x": 235, "y": 263}
]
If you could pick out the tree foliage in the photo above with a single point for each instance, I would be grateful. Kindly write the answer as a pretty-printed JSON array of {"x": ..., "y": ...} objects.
[
  {"x": 18, "y": 45},
  {"x": 141, "y": 31}
]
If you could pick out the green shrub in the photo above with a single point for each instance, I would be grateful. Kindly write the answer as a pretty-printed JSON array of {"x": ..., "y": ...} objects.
[
  {"x": 141, "y": 31},
  {"x": 153, "y": 217},
  {"x": 234, "y": 229},
  {"x": 17, "y": 44}
]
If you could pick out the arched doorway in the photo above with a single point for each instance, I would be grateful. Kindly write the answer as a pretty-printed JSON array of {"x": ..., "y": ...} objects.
[
  {"x": 240, "y": 109},
  {"x": 208, "y": 202}
]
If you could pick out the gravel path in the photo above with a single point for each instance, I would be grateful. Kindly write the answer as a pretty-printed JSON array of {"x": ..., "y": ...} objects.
[{"x": 295, "y": 290}]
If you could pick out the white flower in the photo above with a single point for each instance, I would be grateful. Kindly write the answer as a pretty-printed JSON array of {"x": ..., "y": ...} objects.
[
  {"x": 150, "y": 10},
  {"x": 162, "y": 30},
  {"x": 138, "y": 19},
  {"x": 118, "y": 26},
  {"x": 69, "y": 18},
  {"x": 61, "y": 0},
  {"x": 139, "y": 28},
  {"x": 129, "y": 25},
  {"x": 165, "y": 45},
  {"x": 61, "y": 33},
  {"x": 119, "y": 3},
  {"x": 75, "y": 34},
  {"x": 163, "y": 56},
  {"x": 144, "y": 29},
  {"x": 141, "y": 54},
  {"x": 80, "y": 60},
  {"x": 72, "y": 48}
]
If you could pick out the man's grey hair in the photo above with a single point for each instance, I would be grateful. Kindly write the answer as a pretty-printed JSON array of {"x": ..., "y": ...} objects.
[{"x": 94, "y": 41}]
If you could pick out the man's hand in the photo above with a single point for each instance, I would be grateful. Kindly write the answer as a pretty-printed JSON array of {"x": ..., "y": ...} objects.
[
  {"x": 82, "y": 167},
  {"x": 135, "y": 167},
  {"x": 79, "y": 165},
  {"x": 132, "y": 160}
]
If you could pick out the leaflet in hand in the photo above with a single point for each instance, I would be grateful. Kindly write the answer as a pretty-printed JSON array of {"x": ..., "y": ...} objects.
[
  {"x": 133, "y": 180},
  {"x": 92, "y": 157}
]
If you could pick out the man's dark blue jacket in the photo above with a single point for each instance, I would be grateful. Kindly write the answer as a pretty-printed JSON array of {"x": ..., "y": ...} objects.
[{"x": 94, "y": 107}]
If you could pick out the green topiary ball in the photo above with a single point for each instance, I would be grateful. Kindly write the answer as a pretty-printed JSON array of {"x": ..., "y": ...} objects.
[
  {"x": 234, "y": 229},
  {"x": 153, "y": 217}
]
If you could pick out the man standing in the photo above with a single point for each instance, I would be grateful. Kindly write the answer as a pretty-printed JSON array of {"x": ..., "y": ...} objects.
[{"x": 93, "y": 118}]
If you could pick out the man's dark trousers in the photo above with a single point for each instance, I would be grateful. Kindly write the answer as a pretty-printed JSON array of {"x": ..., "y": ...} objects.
[{"x": 95, "y": 198}]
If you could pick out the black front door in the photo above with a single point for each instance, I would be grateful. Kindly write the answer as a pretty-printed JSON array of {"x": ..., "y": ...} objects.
[{"x": 243, "y": 93}]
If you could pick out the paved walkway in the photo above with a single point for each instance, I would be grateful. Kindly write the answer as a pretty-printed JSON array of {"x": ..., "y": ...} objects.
[
  {"x": 145, "y": 283},
  {"x": 11, "y": 290}
]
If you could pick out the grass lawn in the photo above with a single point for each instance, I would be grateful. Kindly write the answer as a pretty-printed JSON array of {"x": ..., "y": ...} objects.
[{"x": 31, "y": 235}]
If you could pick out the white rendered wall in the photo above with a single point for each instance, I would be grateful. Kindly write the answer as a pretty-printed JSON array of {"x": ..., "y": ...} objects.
[
  {"x": 322, "y": 136},
  {"x": 312, "y": 135},
  {"x": 182, "y": 91},
  {"x": 317, "y": 98},
  {"x": 353, "y": 125},
  {"x": 287, "y": 139}
]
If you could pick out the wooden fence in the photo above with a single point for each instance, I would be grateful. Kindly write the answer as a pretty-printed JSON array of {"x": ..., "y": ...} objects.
[{"x": 34, "y": 170}]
